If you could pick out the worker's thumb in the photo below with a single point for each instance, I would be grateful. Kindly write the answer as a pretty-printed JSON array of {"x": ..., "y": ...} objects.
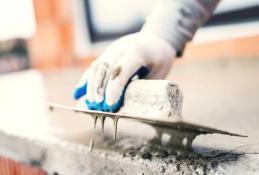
[{"x": 81, "y": 87}]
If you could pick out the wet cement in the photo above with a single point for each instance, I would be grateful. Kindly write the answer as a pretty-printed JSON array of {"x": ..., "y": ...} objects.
[{"x": 184, "y": 161}]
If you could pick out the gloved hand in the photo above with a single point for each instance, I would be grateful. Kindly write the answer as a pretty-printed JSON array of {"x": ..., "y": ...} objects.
[
  {"x": 147, "y": 54},
  {"x": 142, "y": 54}
]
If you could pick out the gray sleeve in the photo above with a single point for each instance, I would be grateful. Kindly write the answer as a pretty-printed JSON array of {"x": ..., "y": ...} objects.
[{"x": 176, "y": 21}]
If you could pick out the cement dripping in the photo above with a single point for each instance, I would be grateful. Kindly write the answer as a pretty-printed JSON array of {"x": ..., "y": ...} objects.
[
  {"x": 95, "y": 117},
  {"x": 91, "y": 145},
  {"x": 115, "y": 125},
  {"x": 102, "y": 119}
]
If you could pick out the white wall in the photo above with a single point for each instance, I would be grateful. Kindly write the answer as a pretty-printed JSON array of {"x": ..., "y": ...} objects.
[{"x": 16, "y": 19}]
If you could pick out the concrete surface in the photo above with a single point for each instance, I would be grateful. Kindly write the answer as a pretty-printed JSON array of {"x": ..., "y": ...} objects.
[{"x": 221, "y": 93}]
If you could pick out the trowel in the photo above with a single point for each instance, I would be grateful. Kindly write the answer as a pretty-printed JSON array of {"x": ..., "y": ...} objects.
[{"x": 157, "y": 103}]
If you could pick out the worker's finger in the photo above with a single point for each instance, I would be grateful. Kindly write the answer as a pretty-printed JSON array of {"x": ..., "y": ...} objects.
[
  {"x": 90, "y": 85},
  {"x": 108, "y": 58},
  {"x": 120, "y": 77},
  {"x": 81, "y": 87},
  {"x": 101, "y": 79}
]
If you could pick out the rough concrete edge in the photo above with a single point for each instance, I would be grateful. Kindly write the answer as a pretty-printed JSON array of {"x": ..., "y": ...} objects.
[
  {"x": 33, "y": 151},
  {"x": 71, "y": 158}
]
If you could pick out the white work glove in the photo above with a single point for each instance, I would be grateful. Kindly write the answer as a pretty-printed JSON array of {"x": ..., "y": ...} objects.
[
  {"x": 147, "y": 54},
  {"x": 143, "y": 54}
]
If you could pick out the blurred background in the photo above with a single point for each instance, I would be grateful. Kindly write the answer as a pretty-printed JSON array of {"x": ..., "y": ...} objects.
[
  {"x": 64, "y": 33},
  {"x": 45, "y": 45}
]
